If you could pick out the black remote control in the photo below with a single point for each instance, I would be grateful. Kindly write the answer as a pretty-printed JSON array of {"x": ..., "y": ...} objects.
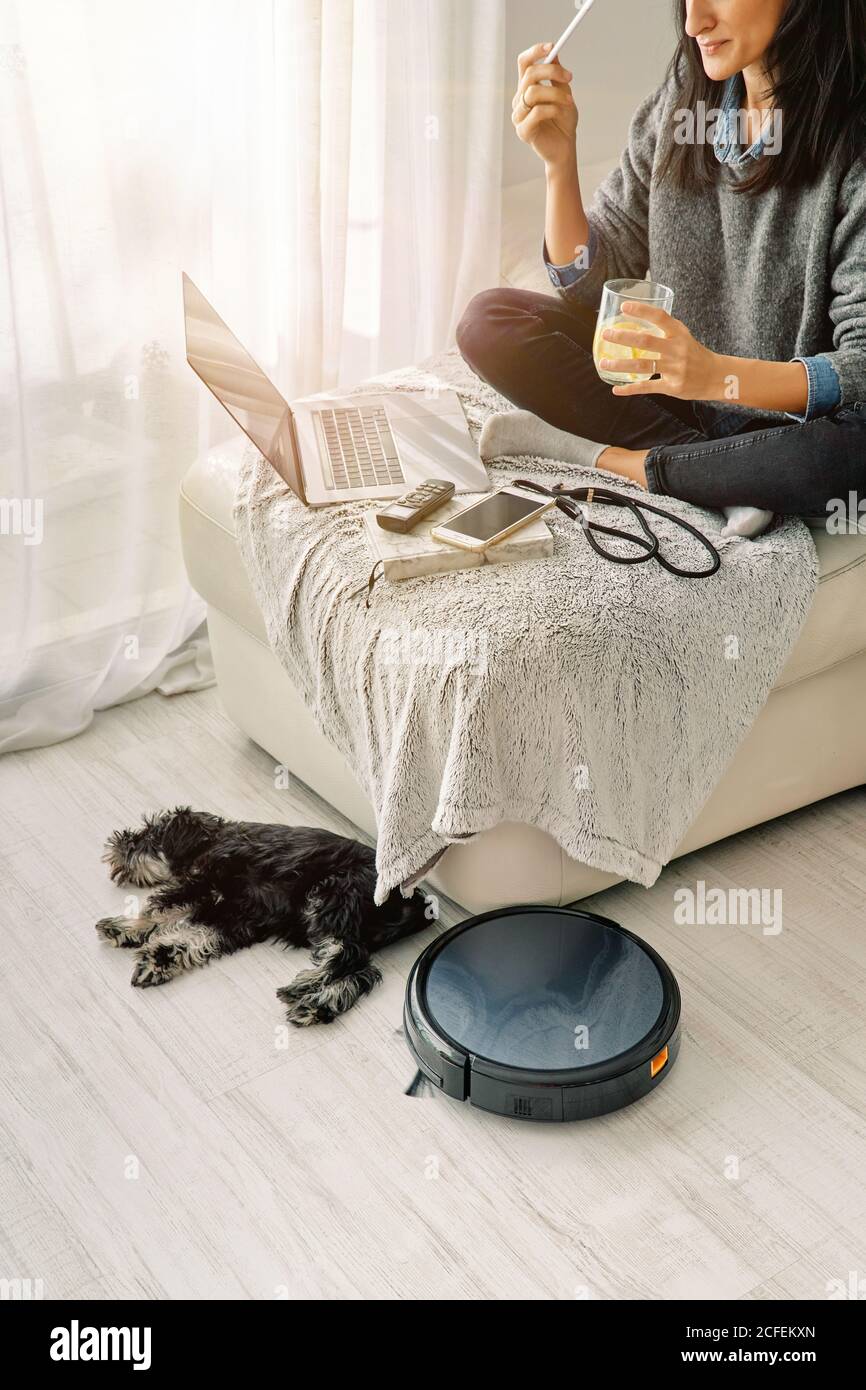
[{"x": 408, "y": 510}]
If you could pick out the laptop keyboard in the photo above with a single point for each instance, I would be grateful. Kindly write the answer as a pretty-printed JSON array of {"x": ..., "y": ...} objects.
[{"x": 360, "y": 447}]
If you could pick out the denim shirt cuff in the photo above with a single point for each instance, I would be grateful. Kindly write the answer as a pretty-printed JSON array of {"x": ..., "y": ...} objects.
[
  {"x": 563, "y": 276},
  {"x": 825, "y": 388}
]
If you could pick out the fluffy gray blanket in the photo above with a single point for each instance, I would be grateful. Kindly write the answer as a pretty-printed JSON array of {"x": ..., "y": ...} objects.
[{"x": 599, "y": 702}]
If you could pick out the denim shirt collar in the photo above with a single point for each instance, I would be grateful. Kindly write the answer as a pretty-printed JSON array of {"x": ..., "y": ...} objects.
[{"x": 725, "y": 144}]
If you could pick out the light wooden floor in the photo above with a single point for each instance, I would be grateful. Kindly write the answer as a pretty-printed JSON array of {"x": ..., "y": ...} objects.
[{"x": 175, "y": 1142}]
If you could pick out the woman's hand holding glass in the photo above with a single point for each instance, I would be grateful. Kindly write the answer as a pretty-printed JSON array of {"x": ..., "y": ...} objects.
[{"x": 687, "y": 370}]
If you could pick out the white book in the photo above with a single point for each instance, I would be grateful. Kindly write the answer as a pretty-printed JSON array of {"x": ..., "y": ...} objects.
[{"x": 416, "y": 554}]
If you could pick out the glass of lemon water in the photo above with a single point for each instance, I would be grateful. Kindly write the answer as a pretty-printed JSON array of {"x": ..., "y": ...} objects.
[{"x": 610, "y": 315}]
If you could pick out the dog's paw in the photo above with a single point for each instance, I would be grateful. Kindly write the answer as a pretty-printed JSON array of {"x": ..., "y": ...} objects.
[
  {"x": 110, "y": 929},
  {"x": 304, "y": 1001},
  {"x": 123, "y": 931},
  {"x": 303, "y": 1013},
  {"x": 313, "y": 997},
  {"x": 156, "y": 966}
]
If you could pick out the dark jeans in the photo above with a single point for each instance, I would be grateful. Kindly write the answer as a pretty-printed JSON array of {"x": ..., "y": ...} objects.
[{"x": 536, "y": 350}]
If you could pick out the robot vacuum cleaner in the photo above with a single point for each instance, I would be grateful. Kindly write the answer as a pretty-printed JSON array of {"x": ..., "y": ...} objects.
[{"x": 542, "y": 1013}]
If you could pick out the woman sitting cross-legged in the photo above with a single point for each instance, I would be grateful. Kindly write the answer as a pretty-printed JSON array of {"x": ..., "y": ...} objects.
[{"x": 743, "y": 188}]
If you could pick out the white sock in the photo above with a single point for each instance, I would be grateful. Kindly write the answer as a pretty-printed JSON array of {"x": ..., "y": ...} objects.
[
  {"x": 746, "y": 521},
  {"x": 521, "y": 432}
]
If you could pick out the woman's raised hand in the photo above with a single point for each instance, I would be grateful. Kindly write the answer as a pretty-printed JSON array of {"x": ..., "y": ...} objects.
[{"x": 545, "y": 118}]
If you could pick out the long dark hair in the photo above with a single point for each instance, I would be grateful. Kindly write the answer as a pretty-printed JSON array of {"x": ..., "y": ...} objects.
[{"x": 817, "y": 67}]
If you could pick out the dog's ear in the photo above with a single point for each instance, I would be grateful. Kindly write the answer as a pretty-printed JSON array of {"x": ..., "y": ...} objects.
[{"x": 184, "y": 834}]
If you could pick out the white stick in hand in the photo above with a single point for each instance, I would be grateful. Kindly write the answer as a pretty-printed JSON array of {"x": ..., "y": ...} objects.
[{"x": 560, "y": 43}]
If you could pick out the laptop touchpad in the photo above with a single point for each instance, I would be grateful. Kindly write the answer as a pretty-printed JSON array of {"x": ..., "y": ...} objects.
[{"x": 433, "y": 445}]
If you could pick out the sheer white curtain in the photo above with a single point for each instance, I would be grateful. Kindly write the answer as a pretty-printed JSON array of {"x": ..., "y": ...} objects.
[{"x": 328, "y": 171}]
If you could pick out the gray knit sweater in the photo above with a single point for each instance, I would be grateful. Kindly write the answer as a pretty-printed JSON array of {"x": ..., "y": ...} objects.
[{"x": 776, "y": 275}]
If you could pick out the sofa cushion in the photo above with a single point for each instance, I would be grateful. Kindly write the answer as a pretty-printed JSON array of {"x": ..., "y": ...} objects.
[
  {"x": 836, "y": 626},
  {"x": 523, "y": 228},
  {"x": 207, "y": 529}
]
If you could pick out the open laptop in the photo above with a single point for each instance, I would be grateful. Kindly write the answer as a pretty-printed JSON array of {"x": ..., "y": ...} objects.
[{"x": 333, "y": 449}]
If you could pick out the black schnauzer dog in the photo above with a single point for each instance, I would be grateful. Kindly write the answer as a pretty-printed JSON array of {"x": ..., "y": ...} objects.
[{"x": 221, "y": 885}]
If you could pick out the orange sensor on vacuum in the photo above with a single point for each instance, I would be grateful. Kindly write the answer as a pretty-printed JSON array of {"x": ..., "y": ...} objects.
[{"x": 658, "y": 1062}]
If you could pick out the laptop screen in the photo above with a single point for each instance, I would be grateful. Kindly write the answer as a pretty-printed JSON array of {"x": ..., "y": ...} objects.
[{"x": 239, "y": 384}]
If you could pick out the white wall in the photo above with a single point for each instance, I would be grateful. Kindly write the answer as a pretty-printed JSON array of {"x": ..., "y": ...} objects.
[{"x": 618, "y": 55}]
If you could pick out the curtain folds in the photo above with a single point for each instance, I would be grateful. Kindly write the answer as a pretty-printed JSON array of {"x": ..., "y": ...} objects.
[{"x": 327, "y": 171}]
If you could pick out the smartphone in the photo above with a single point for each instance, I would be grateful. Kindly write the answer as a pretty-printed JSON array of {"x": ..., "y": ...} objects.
[{"x": 487, "y": 522}]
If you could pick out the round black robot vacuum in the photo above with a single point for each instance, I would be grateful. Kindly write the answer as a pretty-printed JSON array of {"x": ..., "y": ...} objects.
[{"x": 542, "y": 1013}]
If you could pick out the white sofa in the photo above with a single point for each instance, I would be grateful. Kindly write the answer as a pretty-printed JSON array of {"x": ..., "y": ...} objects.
[{"x": 808, "y": 742}]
